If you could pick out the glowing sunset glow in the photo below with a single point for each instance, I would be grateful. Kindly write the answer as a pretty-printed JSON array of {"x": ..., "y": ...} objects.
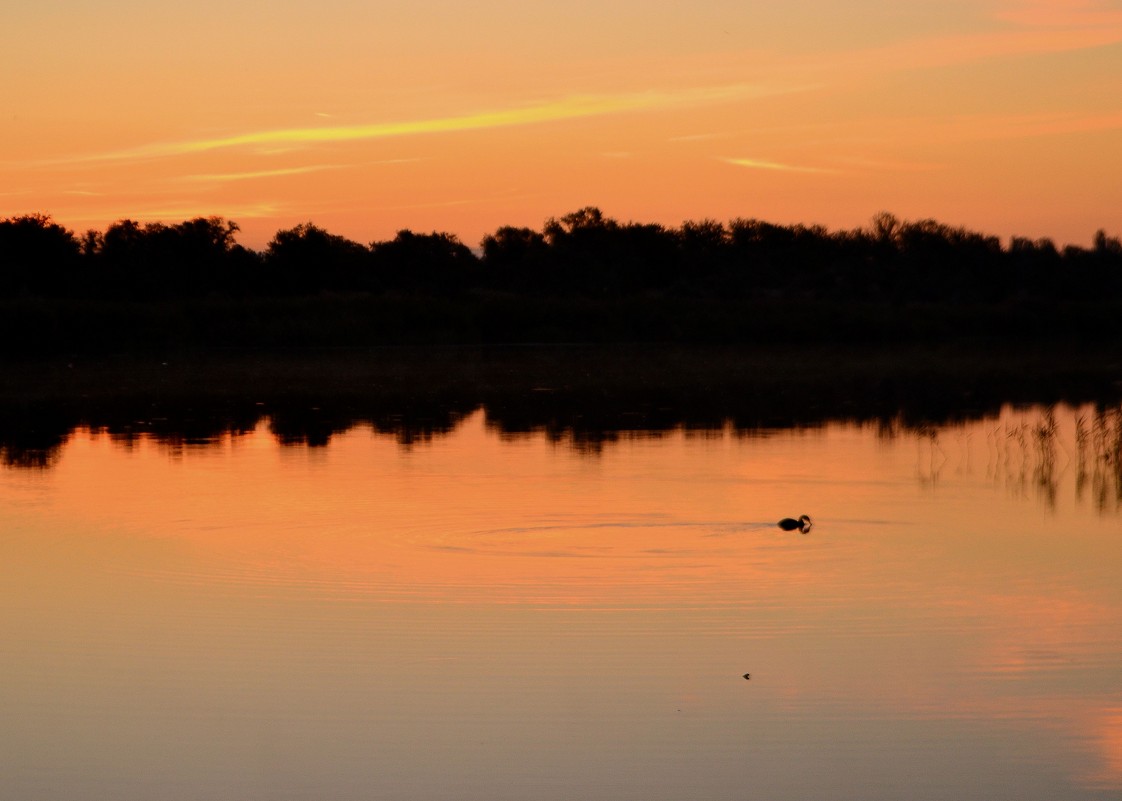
[{"x": 1002, "y": 115}]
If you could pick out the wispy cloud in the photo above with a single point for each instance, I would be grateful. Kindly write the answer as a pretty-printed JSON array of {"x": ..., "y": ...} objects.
[
  {"x": 226, "y": 177},
  {"x": 1020, "y": 29},
  {"x": 936, "y": 130},
  {"x": 1032, "y": 125},
  {"x": 704, "y": 137},
  {"x": 886, "y": 165},
  {"x": 1061, "y": 13},
  {"x": 760, "y": 164},
  {"x": 256, "y": 174},
  {"x": 849, "y": 142},
  {"x": 435, "y": 204},
  {"x": 177, "y": 211},
  {"x": 552, "y": 111}
]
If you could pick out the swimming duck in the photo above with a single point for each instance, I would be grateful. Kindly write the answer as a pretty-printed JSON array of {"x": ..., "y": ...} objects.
[{"x": 803, "y": 524}]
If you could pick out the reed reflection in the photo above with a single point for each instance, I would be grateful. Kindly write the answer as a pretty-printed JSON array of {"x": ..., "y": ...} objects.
[{"x": 1033, "y": 457}]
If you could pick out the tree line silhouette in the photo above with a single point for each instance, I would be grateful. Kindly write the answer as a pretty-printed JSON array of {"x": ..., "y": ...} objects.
[
  {"x": 582, "y": 253},
  {"x": 586, "y": 262}
]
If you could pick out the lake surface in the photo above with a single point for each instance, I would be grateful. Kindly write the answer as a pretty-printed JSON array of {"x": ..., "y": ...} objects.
[{"x": 488, "y": 615}]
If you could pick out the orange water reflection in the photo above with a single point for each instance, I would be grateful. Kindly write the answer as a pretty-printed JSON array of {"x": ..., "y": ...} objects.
[{"x": 573, "y": 602}]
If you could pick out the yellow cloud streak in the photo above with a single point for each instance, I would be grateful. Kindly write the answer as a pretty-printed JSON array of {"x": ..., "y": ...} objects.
[
  {"x": 758, "y": 164},
  {"x": 567, "y": 108},
  {"x": 248, "y": 176},
  {"x": 178, "y": 211},
  {"x": 223, "y": 177}
]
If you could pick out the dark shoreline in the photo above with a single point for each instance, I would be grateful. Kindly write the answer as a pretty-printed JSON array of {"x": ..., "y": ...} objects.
[
  {"x": 36, "y": 328},
  {"x": 1046, "y": 370}
]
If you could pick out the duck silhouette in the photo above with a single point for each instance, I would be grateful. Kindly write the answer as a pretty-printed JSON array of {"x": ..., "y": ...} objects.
[{"x": 803, "y": 524}]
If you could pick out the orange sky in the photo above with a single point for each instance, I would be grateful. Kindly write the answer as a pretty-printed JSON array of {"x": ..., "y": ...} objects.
[{"x": 1001, "y": 115}]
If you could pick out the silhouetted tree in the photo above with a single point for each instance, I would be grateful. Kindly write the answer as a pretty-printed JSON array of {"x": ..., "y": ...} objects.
[
  {"x": 123, "y": 259},
  {"x": 202, "y": 257},
  {"x": 703, "y": 239},
  {"x": 1033, "y": 265},
  {"x": 91, "y": 243},
  {"x": 436, "y": 263},
  {"x": 939, "y": 263},
  {"x": 189, "y": 259},
  {"x": 755, "y": 249},
  {"x": 703, "y": 248},
  {"x": 885, "y": 227},
  {"x": 595, "y": 255},
  {"x": 307, "y": 259},
  {"x": 1107, "y": 245},
  {"x": 1100, "y": 271},
  {"x": 587, "y": 221},
  {"x": 513, "y": 259},
  {"x": 37, "y": 256},
  {"x": 1109, "y": 277}
]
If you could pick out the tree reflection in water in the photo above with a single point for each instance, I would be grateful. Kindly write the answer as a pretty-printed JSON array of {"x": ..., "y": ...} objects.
[
  {"x": 588, "y": 397},
  {"x": 1027, "y": 457}
]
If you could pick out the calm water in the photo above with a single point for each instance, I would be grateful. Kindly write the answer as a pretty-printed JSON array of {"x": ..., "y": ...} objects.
[{"x": 493, "y": 617}]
